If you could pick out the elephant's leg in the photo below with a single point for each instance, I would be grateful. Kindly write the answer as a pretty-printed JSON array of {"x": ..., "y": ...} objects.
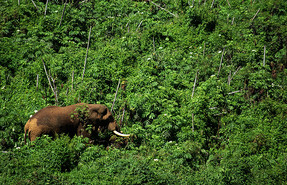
[
  {"x": 33, "y": 135},
  {"x": 82, "y": 132},
  {"x": 36, "y": 131}
]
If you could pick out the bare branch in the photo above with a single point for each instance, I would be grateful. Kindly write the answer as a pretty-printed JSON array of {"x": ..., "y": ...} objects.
[
  {"x": 37, "y": 83},
  {"x": 122, "y": 119},
  {"x": 47, "y": 75},
  {"x": 231, "y": 77},
  {"x": 212, "y": 4},
  {"x": 232, "y": 22},
  {"x": 72, "y": 80},
  {"x": 221, "y": 61},
  {"x": 88, "y": 45},
  {"x": 163, "y": 9},
  {"x": 236, "y": 72},
  {"x": 53, "y": 89},
  {"x": 116, "y": 95},
  {"x": 228, "y": 3},
  {"x": 46, "y": 7},
  {"x": 255, "y": 15},
  {"x": 192, "y": 122},
  {"x": 128, "y": 26},
  {"x": 63, "y": 13},
  {"x": 139, "y": 25},
  {"x": 194, "y": 84},
  {"x": 33, "y": 4},
  {"x": 235, "y": 92}
]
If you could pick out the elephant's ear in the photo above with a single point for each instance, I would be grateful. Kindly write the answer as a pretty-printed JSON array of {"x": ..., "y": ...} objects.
[{"x": 107, "y": 114}]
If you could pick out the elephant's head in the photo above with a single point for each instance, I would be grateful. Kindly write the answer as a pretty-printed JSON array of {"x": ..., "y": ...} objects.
[{"x": 102, "y": 119}]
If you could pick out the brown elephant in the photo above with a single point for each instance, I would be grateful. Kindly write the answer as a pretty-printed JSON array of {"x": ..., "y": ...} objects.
[{"x": 79, "y": 119}]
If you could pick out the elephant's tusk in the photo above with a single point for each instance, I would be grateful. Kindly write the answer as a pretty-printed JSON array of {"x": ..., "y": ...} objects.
[{"x": 120, "y": 134}]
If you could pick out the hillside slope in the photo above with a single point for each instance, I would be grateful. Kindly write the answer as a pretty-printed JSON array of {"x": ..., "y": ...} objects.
[{"x": 203, "y": 89}]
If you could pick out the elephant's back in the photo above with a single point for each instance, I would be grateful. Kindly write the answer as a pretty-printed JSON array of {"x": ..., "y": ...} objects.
[{"x": 52, "y": 115}]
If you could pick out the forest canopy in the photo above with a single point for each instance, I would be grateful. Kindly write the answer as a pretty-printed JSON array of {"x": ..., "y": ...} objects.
[{"x": 202, "y": 90}]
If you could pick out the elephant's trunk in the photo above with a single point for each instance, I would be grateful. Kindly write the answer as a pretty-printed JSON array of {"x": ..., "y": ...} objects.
[{"x": 120, "y": 134}]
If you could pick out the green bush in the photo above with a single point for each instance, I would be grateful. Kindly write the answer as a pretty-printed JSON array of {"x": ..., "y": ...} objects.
[
  {"x": 41, "y": 162},
  {"x": 228, "y": 127}
]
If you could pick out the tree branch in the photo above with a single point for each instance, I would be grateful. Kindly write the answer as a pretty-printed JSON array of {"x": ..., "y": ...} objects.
[
  {"x": 55, "y": 93},
  {"x": 46, "y": 7},
  {"x": 163, "y": 9},
  {"x": 221, "y": 61},
  {"x": 116, "y": 95},
  {"x": 192, "y": 122},
  {"x": 88, "y": 45},
  {"x": 63, "y": 13},
  {"x": 33, "y": 4},
  {"x": 255, "y": 15}
]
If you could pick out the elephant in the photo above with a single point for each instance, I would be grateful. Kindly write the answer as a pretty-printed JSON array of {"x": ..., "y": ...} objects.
[{"x": 80, "y": 119}]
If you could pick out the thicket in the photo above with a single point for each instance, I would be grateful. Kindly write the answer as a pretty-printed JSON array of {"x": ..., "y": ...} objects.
[{"x": 203, "y": 89}]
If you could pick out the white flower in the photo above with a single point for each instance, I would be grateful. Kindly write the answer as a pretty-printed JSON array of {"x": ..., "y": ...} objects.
[
  {"x": 148, "y": 58},
  {"x": 253, "y": 50},
  {"x": 31, "y": 116},
  {"x": 18, "y": 148},
  {"x": 155, "y": 159},
  {"x": 219, "y": 35},
  {"x": 35, "y": 111},
  {"x": 200, "y": 47},
  {"x": 170, "y": 141},
  {"x": 160, "y": 48},
  {"x": 56, "y": 11},
  {"x": 190, "y": 53},
  {"x": 165, "y": 114},
  {"x": 219, "y": 51}
]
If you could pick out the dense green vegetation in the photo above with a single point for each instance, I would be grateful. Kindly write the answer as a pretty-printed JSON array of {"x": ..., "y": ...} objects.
[{"x": 203, "y": 88}]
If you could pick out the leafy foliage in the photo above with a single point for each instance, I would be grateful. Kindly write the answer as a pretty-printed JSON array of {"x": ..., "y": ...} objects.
[{"x": 203, "y": 89}]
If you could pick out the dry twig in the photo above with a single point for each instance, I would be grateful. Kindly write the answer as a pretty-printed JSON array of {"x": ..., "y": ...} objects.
[
  {"x": 221, "y": 61},
  {"x": 163, "y": 9},
  {"x": 53, "y": 89},
  {"x": 255, "y": 15},
  {"x": 63, "y": 13},
  {"x": 116, "y": 95},
  {"x": 33, "y": 4},
  {"x": 192, "y": 122},
  {"x": 88, "y": 45},
  {"x": 46, "y": 7}
]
